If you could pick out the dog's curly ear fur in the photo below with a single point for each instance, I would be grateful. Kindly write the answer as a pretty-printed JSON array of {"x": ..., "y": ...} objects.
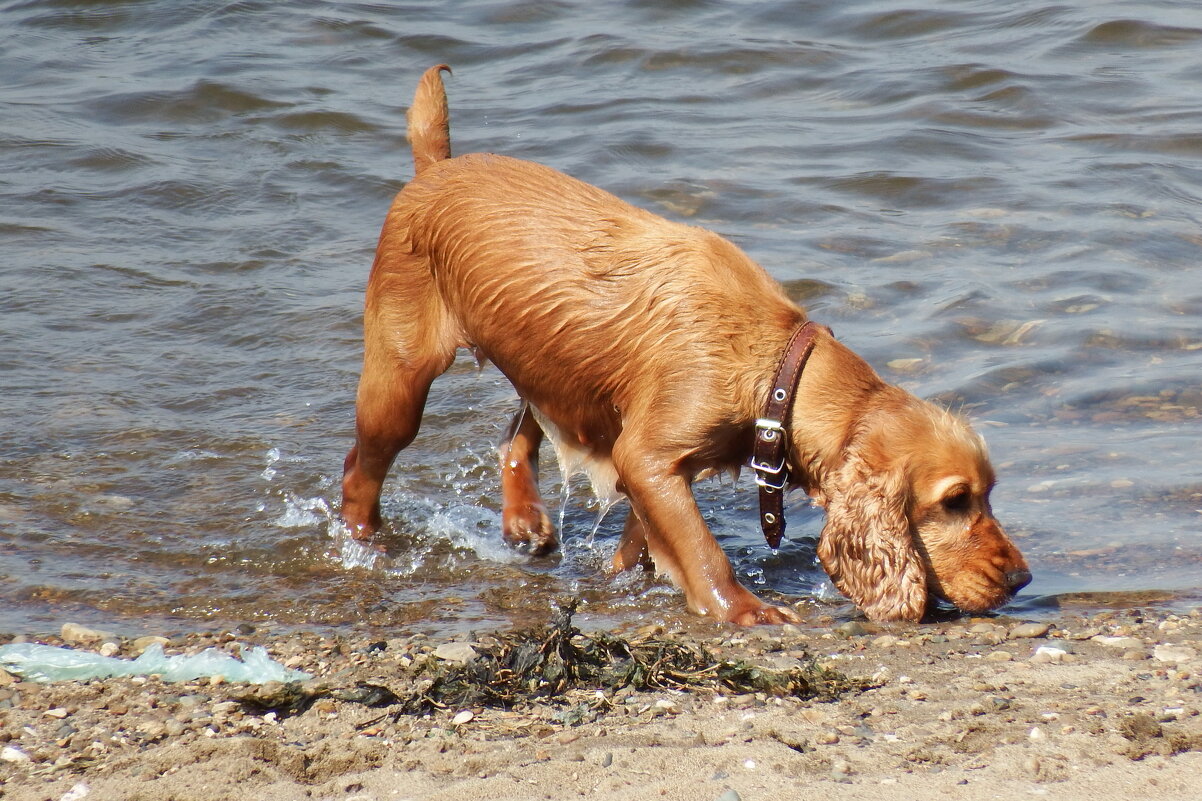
[{"x": 866, "y": 546}]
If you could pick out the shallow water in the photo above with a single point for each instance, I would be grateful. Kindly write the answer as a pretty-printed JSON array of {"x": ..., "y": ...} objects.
[{"x": 996, "y": 203}]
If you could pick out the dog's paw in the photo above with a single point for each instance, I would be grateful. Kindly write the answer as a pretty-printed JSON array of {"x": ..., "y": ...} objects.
[
  {"x": 527, "y": 528},
  {"x": 765, "y": 615}
]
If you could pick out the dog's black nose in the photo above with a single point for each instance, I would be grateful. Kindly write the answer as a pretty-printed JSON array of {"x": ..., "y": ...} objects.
[{"x": 1017, "y": 579}]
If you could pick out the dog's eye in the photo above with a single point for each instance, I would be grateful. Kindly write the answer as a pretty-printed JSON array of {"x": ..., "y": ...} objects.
[{"x": 957, "y": 500}]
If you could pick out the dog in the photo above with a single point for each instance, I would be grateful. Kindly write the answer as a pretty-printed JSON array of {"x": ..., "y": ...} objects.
[{"x": 645, "y": 350}]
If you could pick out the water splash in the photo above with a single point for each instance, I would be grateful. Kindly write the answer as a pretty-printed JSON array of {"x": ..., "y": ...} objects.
[
  {"x": 476, "y": 530},
  {"x": 302, "y": 512},
  {"x": 351, "y": 553},
  {"x": 603, "y": 507},
  {"x": 565, "y": 495},
  {"x": 269, "y": 472}
]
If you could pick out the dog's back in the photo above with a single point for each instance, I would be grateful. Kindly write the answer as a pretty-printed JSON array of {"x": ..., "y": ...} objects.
[{"x": 515, "y": 245}]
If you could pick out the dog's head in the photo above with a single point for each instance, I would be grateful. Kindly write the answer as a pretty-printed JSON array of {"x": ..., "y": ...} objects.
[{"x": 908, "y": 516}]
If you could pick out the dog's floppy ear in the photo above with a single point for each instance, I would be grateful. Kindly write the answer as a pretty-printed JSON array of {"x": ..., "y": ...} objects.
[{"x": 866, "y": 546}]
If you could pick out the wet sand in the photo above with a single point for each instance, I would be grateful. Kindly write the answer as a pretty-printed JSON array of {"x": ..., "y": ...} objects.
[{"x": 1104, "y": 706}]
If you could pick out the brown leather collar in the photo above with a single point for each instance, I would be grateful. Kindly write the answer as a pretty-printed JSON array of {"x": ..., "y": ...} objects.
[{"x": 769, "y": 458}]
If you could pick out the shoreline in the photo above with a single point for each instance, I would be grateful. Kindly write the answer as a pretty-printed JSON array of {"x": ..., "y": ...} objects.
[{"x": 1107, "y": 704}]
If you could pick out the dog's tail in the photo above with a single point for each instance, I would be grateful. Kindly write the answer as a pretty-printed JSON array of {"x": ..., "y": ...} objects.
[{"x": 429, "y": 120}]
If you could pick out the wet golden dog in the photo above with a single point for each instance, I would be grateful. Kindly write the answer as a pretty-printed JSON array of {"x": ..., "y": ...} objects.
[{"x": 645, "y": 349}]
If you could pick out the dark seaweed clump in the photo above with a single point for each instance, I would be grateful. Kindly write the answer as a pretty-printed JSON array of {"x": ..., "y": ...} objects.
[
  {"x": 557, "y": 664},
  {"x": 552, "y": 661}
]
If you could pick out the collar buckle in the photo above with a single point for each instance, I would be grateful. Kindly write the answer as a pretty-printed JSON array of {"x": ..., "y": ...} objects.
[{"x": 769, "y": 455}]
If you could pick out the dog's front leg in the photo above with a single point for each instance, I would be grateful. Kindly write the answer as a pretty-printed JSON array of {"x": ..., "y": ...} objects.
[
  {"x": 682, "y": 546},
  {"x": 632, "y": 548},
  {"x": 524, "y": 521}
]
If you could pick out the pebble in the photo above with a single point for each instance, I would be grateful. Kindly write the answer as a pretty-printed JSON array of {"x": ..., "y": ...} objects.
[
  {"x": 1174, "y": 653},
  {"x": 78, "y": 792},
  {"x": 7, "y": 678},
  {"x": 455, "y": 652},
  {"x": 852, "y": 628},
  {"x": 999, "y": 656},
  {"x": 729, "y": 795},
  {"x": 885, "y": 641},
  {"x": 1054, "y": 653},
  {"x": 1030, "y": 630},
  {"x": 11, "y": 754},
  {"x": 142, "y": 643},
  {"x": 463, "y": 717},
  {"x": 1121, "y": 643},
  {"x": 841, "y": 770},
  {"x": 75, "y": 634}
]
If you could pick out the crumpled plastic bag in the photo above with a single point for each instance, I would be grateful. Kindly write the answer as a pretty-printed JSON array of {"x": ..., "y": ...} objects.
[{"x": 43, "y": 663}]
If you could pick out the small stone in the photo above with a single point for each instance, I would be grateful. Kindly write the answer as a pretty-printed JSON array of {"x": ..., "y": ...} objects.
[
  {"x": 75, "y": 634},
  {"x": 1053, "y": 653},
  {"x": 1119, "y": 643},
  {"x": 999, "y": 656},
  {"x": 607, "y": 759},
  {"x": 11, "y": 754},
  {"x": 1030, "y": 630},
  {"x": 58, "y": 712},
  {"x": 459, "y": 653},
  {"x": 826, "y": 738},
  {"x": 142, "y": 643},
  {"x": 852, "y": 628},
  {"x": 7, "y": 678},
  {"x": 463, "y": 717},
  {"x": 109, "y": 649},
  {"x": 841, "y": 771},
  {"x": 1174, "y": 653},
  {"x": 885, "y": 641},
  {"x": 729, "y": 795}
]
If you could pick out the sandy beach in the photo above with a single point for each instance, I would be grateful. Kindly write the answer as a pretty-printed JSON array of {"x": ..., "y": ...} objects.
[{"x": 1102, "y": 706}]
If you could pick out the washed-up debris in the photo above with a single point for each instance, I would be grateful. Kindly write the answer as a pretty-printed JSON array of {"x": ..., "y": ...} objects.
[
  {"x": 558, "y": 664},
  {"x": 547, "y": 662},
  {"x": 44, "y": 663}
]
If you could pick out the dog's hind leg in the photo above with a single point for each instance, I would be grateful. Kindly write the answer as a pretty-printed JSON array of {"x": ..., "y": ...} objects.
[
  {"x": 524, "y": 521},
  {"x": 406, "y": 345}
]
